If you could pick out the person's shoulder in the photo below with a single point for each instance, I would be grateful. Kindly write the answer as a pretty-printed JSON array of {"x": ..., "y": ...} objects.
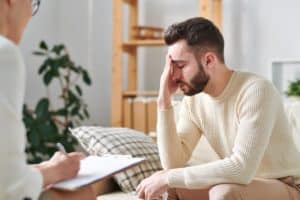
[
  {"x": 10, "y": 54},
  {"x": 251, "y": 80},
  {"x": 8, "y": 48},
  {"x": 254, "y": 85},
  {"x": 6, "y": 44},
  {"x": 258, "y": 95}
]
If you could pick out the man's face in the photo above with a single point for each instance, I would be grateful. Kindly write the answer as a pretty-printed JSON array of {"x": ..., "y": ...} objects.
[
  {"x": 25, "y": 10},
  {"x": 187, "y": 71},
  {"x": 18, "y": 15}
]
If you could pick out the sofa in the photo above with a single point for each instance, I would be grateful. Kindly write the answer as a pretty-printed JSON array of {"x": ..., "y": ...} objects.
[{"x": 109, "y": 190}]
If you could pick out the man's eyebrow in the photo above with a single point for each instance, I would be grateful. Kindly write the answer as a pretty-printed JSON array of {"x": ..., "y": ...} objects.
[{"x": 178, "y": 61}]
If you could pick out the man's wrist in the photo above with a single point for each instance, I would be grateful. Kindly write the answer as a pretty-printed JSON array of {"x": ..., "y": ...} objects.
[
  {"x": 164, "y": 103},
  {"x": 47, "y": 170},
  {"x": 167, "y": 177}
]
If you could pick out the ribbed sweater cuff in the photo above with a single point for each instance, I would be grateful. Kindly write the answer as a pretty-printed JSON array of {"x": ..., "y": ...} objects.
[
  {"x": 176, "y": 178},
  {"x": 165, "y": 121},
  {"x": 165, "y": 109}
]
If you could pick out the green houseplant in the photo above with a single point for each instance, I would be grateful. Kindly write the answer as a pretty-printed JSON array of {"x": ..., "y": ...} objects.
[
  {"x": 294, "y": 89},
  {"x": 46, "y": 125}
]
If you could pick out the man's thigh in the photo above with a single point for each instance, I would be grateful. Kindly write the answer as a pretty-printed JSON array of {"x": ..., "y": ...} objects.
[
  {"x": 272, "y": 189},
  {"x": 186, "y": 194},
  {"x": 258, "y": 189}
]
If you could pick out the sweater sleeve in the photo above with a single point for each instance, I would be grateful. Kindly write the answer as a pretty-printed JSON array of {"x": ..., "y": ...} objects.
[
  {"x": 176, "y": 141},
  {"x": 17, "y": 179},
  {"x": 257, "y": 109}
]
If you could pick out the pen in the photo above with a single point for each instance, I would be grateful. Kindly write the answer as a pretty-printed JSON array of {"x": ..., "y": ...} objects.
[{"x": 61, "y": 148}]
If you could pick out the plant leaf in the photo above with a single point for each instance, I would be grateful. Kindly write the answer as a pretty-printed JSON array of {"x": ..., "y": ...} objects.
[
  {"x": 43, "y": 45},
  {"x": 80, "y": 116},
  {"x": 64, "y": 61},
  {"x": 34, "y": 138},
  {"x": 75, "y": 110},
  {"x": 74, "y": 69},
  {"x": 86, "y": 77},
  {"x": 58, "y": 48},
  {"x": 39, "y": 53},
  {"x": 73, "y": 99},
  {"x": 48, "y": 78},
  {"x": 293, "y": 88},
  {"x": 49, "y": 131},
  {"x": 86, "y": 113},
  {"x": 61, "y": 112},
  {"x": 42, "y": 108},
  {"x": 43, "y": 67},
  {"x": 78, "y": 89}
]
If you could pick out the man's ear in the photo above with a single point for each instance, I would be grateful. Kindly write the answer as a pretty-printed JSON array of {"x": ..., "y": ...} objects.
[{"x": 209, "y": 60}]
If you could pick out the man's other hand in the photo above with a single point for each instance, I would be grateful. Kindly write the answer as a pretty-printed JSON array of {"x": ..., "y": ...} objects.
[
  {"x": 154, "y": 186},
  {"x": 167, "y": 85}
]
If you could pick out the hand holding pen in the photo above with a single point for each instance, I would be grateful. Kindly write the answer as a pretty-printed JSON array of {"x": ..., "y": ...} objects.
[
  {"x": 61, "y": 148},
  {"x": 61, "y": 166}
]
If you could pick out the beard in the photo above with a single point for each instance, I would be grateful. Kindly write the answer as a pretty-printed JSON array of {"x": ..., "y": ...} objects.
[{"x": 197, "y": 83}]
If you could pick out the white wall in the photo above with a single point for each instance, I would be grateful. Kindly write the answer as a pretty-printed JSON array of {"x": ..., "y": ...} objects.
[
  {"x": 161, "y": 14},
  {"x": 43, "y": 26},
  {"x": 255, "y": 31},
  {"x": 262, "y": 31},
  {"x": 88, "y": 41}
]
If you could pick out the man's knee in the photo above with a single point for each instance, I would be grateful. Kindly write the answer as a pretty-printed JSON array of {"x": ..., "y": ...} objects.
[
  {"x": 172, "y": 194},
  {"x": 224, "y": 192}
]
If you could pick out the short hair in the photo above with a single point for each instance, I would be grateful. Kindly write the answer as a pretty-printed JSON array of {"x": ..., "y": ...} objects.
[{"x": 199, "y": 33}]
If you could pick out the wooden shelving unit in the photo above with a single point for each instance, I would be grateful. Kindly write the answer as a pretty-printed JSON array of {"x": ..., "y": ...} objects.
[
  {"x": 140, "y": 93},
  {"x": 134, "y": 43},
  {"x": 211, "y": 9}
]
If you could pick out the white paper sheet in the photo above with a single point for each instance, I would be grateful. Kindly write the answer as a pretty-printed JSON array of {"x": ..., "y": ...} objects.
[{"x": 94, "y": 168}]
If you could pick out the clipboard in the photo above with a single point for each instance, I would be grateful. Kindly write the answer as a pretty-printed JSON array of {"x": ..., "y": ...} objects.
[{"x": 95, "y": 168}]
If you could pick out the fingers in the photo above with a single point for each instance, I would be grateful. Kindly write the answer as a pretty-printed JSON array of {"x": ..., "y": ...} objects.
[
  {"x": 144, "y": 189},
  {"x": 140, "y": 190},
  {"x": 73, "y": 155},
  {"x": 171, "y": 71},
  {"x": 77, "y": 155},
  {"x": 169, "y": 64},
  {"x": 168, "y": 71},
  {"x": 171, "y": 67}
]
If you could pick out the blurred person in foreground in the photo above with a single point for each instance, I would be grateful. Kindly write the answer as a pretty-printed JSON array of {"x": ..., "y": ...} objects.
[{"x": 18, "y": 180}]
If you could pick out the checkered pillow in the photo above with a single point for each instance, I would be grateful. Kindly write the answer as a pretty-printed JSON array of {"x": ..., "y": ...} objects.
[{"x": 100, "y": 140}]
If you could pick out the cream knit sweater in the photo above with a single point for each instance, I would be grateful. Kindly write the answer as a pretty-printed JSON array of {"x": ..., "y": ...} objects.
[
  {"x": 17, "y": 179},
  {"x": 246, "y": 126}
]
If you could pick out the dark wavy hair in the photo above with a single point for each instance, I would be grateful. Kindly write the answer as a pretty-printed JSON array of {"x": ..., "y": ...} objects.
[{"x": 199, "y": 33}]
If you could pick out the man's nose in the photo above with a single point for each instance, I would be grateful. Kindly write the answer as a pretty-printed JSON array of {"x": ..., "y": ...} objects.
[{"x": 176, "y": 74}]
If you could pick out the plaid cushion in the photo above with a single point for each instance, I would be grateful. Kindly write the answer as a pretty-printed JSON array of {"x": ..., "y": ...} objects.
[{"x": 100, "y": 140}]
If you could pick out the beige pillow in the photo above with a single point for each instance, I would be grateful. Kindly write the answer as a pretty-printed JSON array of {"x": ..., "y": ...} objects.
[{"x": 101, "y": 140}]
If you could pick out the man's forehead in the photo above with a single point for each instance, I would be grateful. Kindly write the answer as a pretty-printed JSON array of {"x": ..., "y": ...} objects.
[{"x": 180, "y": 51}]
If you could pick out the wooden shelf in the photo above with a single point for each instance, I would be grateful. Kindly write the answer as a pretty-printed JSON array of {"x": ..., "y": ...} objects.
[
  {"x": 153, "y": 42},
  {"x": 140, "y": 93},
  {"x": 211, "y": 9},
  {"x": 132, "y": 93},
  {"x": 130, "y": 1}
]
